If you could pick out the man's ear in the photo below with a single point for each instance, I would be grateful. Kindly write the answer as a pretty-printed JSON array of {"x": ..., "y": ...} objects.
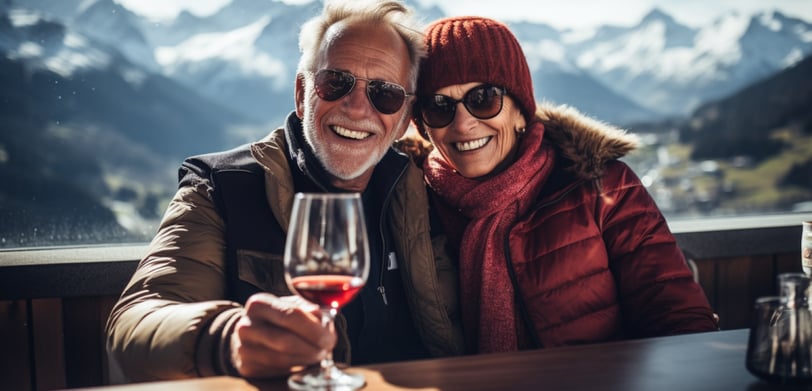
[{"x": 299, "y": 95}]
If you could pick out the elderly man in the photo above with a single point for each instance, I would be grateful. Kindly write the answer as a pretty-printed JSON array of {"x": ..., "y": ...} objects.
[{"x": 210, "y": 297}]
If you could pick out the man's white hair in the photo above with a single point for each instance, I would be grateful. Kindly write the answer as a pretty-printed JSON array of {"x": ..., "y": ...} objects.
[{"x": 390, "y": 12}]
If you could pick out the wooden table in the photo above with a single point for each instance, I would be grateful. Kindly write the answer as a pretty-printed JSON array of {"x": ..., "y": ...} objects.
[{"x": 706, "y": 361}]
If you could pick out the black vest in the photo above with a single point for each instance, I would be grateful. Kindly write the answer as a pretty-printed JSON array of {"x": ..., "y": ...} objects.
[{"x": 237, "y": 186}]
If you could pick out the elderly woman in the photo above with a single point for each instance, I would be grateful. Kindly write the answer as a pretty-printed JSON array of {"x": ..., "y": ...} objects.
[{"x": 559, "y": 243}]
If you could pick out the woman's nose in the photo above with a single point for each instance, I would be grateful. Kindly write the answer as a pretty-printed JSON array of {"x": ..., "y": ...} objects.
[{"x": 463, "y": 120}]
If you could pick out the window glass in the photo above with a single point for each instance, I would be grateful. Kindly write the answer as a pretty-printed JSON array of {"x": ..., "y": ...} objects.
[{"x": 101, "y": 100}]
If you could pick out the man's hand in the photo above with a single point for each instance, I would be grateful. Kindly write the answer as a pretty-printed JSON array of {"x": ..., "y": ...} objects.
[{"x": 276, "y": 334}]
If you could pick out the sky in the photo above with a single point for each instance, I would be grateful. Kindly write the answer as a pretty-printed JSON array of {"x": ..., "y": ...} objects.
[{"x": 559, "y": 14}]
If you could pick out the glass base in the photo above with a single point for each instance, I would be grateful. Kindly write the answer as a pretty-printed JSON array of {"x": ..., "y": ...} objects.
[{"x": 315, "y": 380}]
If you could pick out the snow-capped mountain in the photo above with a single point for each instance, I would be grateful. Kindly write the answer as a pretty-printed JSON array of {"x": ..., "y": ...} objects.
[
  {"x": 244, "y": 56},
  {"x": 557, "y": 78},
  {"x": 48, "y": 45},
  {"x": 108, "y": 22},
  {"x": 672, "y": 69},
  {"x": 80, "y": 82},
  {"x": 90, "y": 140},
  {"x": 249, "y": 68}
]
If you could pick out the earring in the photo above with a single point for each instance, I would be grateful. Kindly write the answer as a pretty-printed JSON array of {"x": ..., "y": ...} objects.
[{"x": 520, "y": 131}]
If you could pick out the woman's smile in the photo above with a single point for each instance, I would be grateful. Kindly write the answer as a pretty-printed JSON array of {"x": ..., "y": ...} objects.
[{"x": 473, "y": 144}]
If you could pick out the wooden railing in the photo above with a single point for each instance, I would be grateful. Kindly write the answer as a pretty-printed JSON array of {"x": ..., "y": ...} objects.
[
  {"x": 54, "y": 302},
  {"x": 53, "y": 307}
]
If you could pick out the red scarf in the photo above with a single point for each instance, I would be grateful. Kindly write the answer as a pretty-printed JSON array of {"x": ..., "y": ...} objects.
[{"x": 492, "y": 206}]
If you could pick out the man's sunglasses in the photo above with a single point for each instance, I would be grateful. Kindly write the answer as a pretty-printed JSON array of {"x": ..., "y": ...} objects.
[
  {"x": 483, "y": 102},
  {"x": 386, "y": 97}
]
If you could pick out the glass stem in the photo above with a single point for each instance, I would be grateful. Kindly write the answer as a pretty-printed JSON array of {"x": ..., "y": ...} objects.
[{"x": 327, "y": 364}]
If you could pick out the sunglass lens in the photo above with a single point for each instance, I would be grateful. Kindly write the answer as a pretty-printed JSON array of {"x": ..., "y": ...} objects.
[
  {"x": 387, "y": 97},
  {"x": 484, "y": 102},
  {"x": 438, "y": 110},
  {"x": 332, "y": 85}
]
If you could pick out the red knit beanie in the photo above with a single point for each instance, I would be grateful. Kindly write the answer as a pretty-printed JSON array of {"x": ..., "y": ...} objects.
[{"x": 474, "y": 49}]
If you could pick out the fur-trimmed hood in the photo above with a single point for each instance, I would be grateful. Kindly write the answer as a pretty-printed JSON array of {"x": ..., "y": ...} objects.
[{"x": 588, "y": 143}]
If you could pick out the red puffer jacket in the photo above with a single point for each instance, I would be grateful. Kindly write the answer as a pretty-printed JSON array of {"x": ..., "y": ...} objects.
[
  {"x": 614, "y": 272},
  {"x": 593, "y": 259}
]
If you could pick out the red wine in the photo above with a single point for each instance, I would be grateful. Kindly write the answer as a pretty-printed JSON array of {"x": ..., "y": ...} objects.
[{"x": 328, "y": 291}]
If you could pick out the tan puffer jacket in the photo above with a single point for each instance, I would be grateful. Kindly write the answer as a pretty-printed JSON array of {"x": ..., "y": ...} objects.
[{"x": 173, "y": 318}]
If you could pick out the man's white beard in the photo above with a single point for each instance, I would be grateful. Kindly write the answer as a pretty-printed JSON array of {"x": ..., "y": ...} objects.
[{"x": 340, "y": 169}]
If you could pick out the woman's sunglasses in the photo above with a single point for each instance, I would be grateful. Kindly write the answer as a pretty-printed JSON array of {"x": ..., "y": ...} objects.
[
  {"x": 386, "y": 97},
  {"x": 483, "y": 102}
]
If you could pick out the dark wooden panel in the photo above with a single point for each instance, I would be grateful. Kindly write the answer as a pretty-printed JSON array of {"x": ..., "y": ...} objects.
[
  {"x": 739, "y": 282},
  {"x": 788, "y": 263},
  {"x": 706, "y": 273},
  {"x": 48, "y": 350},
  {"x": 83, "y": 342},
  {"x": 15, "y": 358},
  {"x": 106, "y": 304}
]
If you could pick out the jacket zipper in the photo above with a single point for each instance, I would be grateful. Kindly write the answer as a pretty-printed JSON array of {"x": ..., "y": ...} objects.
[{"x": 384, "y": 211}]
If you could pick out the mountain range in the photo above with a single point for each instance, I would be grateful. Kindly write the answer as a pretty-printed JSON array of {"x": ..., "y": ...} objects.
[
  {"x": 244, "y": 56},
  {"x": 98, "y": 105}
]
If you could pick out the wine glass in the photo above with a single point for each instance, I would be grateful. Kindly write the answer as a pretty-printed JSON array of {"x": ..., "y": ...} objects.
[{"x": 327, "y": 263}]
